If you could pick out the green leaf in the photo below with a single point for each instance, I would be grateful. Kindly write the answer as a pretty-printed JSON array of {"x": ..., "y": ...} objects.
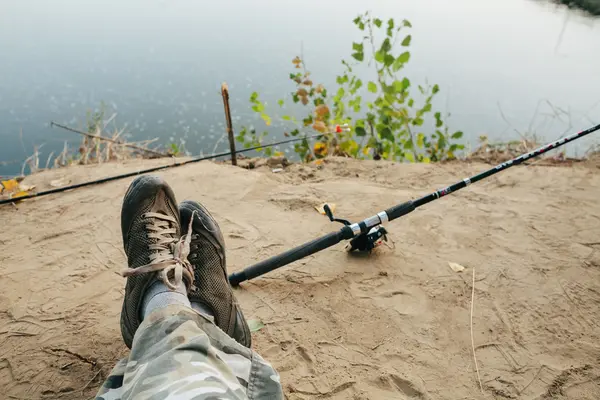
[
  {"x": 357, "y": 84},
  {"x": 341, "y": 79},
  {"x": 391, "y": 23},
  {"x": 418, "y": 121},
  {"x": 358, "y": 56},
  {"x": 406, "y": 41},
  {"x": 377, "y": 22},
  {"x": 360, "y": 131},
  {"x": 357, "y": 20},
  {"x": 385, "y": 132},
  {"x": 295, "y": 97},
  {"x": 361, "y": 26},
  {"x": 405, "y": 83},
  {"x": 420, "y": 140},
  {"x": 266, "y": 118},
  {"x": 386, "y": 46},
  {"x": 404, "y": 57},
  {"x": 357, "y": 47},
  {"x": 341, "y": 92},
  {"x": 427, "y": 108},
  {"x": 255, "y": 325},
  {"x": 435, "y": 89},
  {"x": 457, "y": 135},
  {"x": 398, "y": 87},
  {"x": 408, "y": 144},
  {"x": 388, "y": 60},
  {"x": 280, "y": 102},
  {"x": 295, "y": 132},
  {"x": 411, "y": 102},
  {"x": 379, "y": 57},
  {"x": 253, "y": 96},
  {"x": 372, "y": 87},
  {"x": 286, "y": 118},
  {"x": 407, "y": 23},
  {"x": 324, "y": 93},
  {"x": 401, "y": 60},
  {"x": 410, "y": 157},
  {"x": 390, "y": 27}
]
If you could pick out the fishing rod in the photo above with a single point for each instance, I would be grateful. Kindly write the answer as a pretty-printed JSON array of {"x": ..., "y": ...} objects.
[
  {"x": 366, "y": 234},
  {"x": 338, "y": 129}
]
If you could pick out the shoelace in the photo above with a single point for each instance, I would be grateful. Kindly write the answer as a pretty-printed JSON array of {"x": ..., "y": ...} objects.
[{"x": 171, "y": 254}]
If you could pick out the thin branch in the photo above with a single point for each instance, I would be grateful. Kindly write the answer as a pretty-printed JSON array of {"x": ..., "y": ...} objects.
[{"x": 158, "y": 153}]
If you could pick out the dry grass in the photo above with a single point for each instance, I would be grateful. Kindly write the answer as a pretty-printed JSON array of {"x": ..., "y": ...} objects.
[{"x": 95, "y": 148}]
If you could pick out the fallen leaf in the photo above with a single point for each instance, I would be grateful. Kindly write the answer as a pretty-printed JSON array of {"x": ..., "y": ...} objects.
[
  {"x": 321, "y": 208},
  {"x": 456, "y": 267},
  {"x": 9, "y": 185},
  {"x": 255, "y": 325},
  {"x": 19, "y": 194}
]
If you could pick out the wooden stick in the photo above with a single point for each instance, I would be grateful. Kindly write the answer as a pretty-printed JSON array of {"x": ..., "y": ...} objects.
[
  {"x": 473, "y": 340},
  {"x": 225, "y": 94},
  {"x": 158, "y": 153}
]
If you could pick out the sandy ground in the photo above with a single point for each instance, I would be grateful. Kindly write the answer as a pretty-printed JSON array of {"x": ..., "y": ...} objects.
[{"x": 393, "y": 325}]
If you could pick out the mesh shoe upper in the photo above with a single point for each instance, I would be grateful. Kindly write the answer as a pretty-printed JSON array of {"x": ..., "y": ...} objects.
[
  {"x": 143, "y": 238},
  {"x": 212, "y": 289}
]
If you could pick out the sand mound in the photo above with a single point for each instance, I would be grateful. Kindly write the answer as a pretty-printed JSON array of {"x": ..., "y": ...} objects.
[{"x": 394, "y": 325}]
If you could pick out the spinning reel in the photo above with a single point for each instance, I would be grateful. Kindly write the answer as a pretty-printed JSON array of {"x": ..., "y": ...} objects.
[{"x": 364, "y": 241}]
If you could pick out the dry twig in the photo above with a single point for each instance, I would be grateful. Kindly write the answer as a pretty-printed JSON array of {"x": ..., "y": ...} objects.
[{"x": 473, "y": 340}]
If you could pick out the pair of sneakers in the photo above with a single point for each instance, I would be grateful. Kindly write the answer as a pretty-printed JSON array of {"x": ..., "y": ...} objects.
[{"x": 174, "y": 243}]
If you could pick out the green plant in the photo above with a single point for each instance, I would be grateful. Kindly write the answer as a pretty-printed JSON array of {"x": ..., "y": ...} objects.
[
  {"x": 248, "y": 136},
  {"x": 387, "y": 121}
]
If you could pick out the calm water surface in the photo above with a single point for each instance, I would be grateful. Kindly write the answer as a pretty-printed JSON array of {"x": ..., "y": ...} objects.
[{"x": 159, "y": 64}]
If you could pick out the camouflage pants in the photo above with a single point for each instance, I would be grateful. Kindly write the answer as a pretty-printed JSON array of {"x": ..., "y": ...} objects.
[{"x": 179, "y": 354}]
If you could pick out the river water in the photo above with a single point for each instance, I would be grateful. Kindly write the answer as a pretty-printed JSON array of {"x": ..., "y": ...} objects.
[{"x": 504, "y": 66}]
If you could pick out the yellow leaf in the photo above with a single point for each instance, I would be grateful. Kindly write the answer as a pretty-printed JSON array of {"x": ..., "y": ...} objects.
[
  {"x": 320, "y": 149},
  {"x": 9, "y": 185},
  {"x": 19, "y": 194},
  {"x": 319, "y": 162},
  {"x": 278, "y": 154},
  {"x": 321, "y": 207}
]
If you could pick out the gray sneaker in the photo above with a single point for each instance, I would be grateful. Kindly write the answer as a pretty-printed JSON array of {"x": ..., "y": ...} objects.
[
  {"x": 212, "y": 289},
  {"x": 153, "y": 244}
]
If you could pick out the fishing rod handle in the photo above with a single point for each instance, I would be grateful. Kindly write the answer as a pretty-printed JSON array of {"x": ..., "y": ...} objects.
[
  {"x": 290, "y": 256},
  {"x": 400, "y": 210}
]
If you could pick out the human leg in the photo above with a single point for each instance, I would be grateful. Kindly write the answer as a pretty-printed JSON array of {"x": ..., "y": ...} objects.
[{"x": 176, "y": 351}]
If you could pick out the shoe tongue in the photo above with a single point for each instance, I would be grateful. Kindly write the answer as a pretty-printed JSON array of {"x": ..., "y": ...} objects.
[{"x": 161, "y": 203}]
